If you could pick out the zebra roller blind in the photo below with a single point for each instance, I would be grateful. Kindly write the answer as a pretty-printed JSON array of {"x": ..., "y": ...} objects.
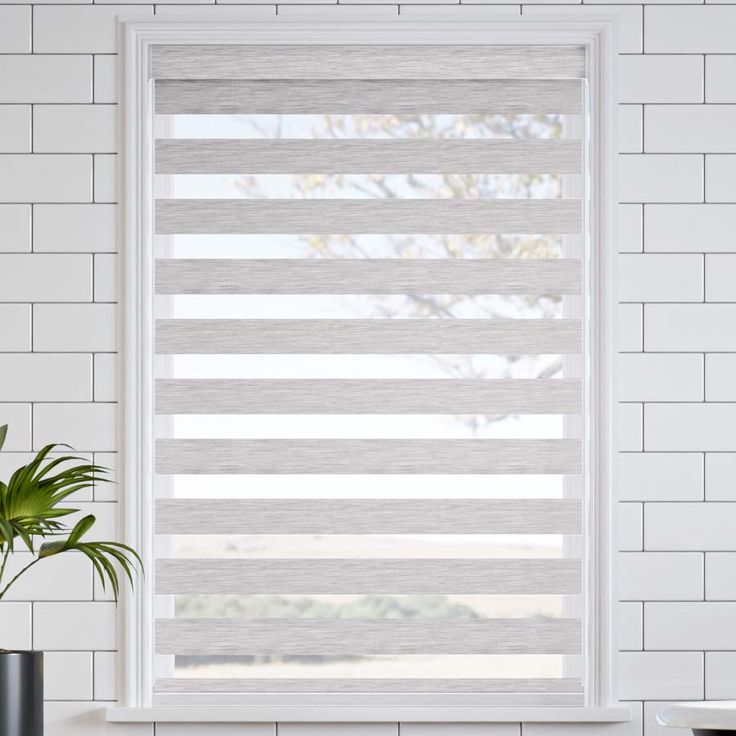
[{"x": 370, "y": 371}]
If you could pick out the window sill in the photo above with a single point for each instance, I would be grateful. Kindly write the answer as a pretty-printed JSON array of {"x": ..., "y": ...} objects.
[{"x": 346, "y": 713}]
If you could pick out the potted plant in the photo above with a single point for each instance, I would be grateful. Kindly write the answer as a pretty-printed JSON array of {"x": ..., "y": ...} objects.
[{"x": 29, "y": 512}]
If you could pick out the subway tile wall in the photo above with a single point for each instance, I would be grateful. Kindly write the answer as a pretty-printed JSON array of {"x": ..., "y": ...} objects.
[{"x": 677, "y": 287}]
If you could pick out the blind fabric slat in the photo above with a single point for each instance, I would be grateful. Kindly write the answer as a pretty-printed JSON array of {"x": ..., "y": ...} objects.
[
  {"x": 416, "y": 156},
  {"x": 367, "y": 216},
  {"x": 370, "y": 685},
  {"x": 368, "y": 276},
  {"x": 366, "y": 97},
  {"x": 319, "y": 637},
  {"x": 353, "y": 396},
  {"x": 363, "y": 516},
  {"x": 524, "y": 456},
  {"x": 369, "y": 336},
  {"x": 360, "y": 62},
  {"x": 369, "y": 577}
]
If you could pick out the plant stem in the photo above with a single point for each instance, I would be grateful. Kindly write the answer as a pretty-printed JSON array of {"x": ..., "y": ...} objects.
[
  {"x": 25, "y": 569},
  {"x": 5, "y": 553}
]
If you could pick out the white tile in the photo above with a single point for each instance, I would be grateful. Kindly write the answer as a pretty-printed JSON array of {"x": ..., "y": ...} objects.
[
  {"x": 629, "y": 228},
  {"x": 720, "y": 476},
  {"x": 15, "y": 228},
  {"x": 630, "y": 526},
  {"x": 16, "y": 327},
  {"x": 720, "y": 78},
  {"x": 329, "y": 12},
  {"x": 85, "y": 228},
  {"x": 15, "y": 623},
  {"x": 74, "y": 626},
  {"x": 625, "y": 728},
  {"x": 45, "y": 178},
  {"x": 105, "y": 178},
  {"x": 15, "y": 126},
  {"x": 18, "y": 419},
  {"x": 719, "y": 377},
  {"x": 660, "y": 278},
  {"x": 15, "y": 29},
  {"x": 67, "y": 676},
  {"x": 76, "y": 718},
  {"x": 689, "y": 327},
  {"x": 105, "y": 526},
  {"x": 630, "y": 128},
  {"x": 74, "y": 327},
  {"x": 338, "y": 729},
  {"x": 693, "y": 228},
  {"x": 689, "y": 427},
  {"x": 629, "y": 427},
  {"x": 83, "y": 426},
  {"x": 35, "y": 277},
  {"x": 217, "y": 729},
  {"x": 688, "y": 626},
  {"x": 629, "y": 20},
  {"x": 107, "y": 491},
  {"x": 457, "y": 12},
  {"x": 720, "y": 178},
  {"x": 106, "y": 73},
  {"x": 630, "y": 626},
  {"x": 105, "y": 271},
  {"x": 79, "y": 29},
  {"x": 666, "y": 675},
  {"x": 460, "y": 729},
  {"x": 105, "y": 676},
  {"x": 660, "y": 78},
  {"x": 689, "y": 526},
  {"x": 690, "y": 128},
  {"x": 30, "y": 78},
  {"x": 205, "y": 11},
  {"x": 660, "y": 576},
  {"x": 45, "y": 377},
  {"x": 105, "y": 377},
  {"x": 691, "y": 29},
  {"x": 660, "y": 476},
  {"x": 720, "y": 675},
  {"x": 630, "y": 323},
  {"x": 720, "y": 576},
  {"x": 74, "y": 128},
  {"x": 651, "y": 377},
  {"x": 660, "y": 178}
]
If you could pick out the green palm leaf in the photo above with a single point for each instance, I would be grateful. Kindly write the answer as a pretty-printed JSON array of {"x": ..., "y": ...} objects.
[{"x": 30, "y": 507}]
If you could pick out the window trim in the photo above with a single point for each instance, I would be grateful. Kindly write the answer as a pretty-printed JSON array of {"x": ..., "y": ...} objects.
[{"x": 135, "y": 222}]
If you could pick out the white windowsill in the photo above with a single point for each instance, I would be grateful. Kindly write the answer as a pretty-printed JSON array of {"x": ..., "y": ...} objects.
[{"x": 353, "y": 714}]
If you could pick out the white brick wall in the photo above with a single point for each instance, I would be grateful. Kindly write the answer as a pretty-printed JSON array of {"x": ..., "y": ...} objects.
[{"x": 677, "y": 284}]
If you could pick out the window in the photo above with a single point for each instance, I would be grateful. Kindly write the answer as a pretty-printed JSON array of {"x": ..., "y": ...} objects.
[{"x": 367, "y": 392}]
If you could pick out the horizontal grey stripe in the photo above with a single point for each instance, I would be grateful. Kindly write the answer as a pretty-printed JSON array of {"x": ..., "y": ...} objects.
[
  {"x": 368, "y": 216},
  {"x": 368, "y": 276},
  {"x": 368, "y": 336},
  {"x": 366, "y": 62},
  {"x": 353, "y": 97},
  {"x": 368, "y": 577},
  {"x": 365, "y": 685},
  {"x": 224, "y": 156},
  {"x": 364, "y": 516},
  {"x": 369, "y": 637},
  {"x": 382, "y": 396},
  {"x": 368, "y": 456}
]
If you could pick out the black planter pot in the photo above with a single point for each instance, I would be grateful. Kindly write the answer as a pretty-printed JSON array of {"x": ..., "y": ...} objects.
[{"x": 21, "y": 693}]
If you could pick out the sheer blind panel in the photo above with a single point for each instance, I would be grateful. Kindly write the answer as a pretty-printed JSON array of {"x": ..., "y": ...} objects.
[{"x": 370, "y": 371}]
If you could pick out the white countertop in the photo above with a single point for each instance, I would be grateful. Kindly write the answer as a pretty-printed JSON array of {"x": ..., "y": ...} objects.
[{"x": 718, "y": 714}]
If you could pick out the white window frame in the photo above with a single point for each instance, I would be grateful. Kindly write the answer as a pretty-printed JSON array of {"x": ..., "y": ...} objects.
[{"x": 136, "y": 345}]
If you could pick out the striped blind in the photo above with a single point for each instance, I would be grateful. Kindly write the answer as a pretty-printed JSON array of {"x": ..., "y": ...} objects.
[{"x": 369, "y": 370}]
